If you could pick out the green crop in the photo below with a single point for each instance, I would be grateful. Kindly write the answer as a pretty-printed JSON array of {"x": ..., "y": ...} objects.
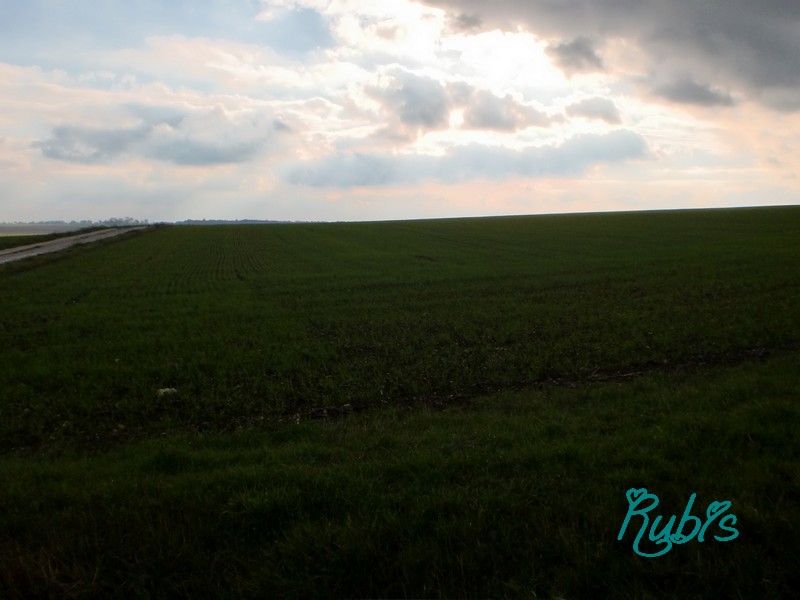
[{"x": 444, "y": 408}]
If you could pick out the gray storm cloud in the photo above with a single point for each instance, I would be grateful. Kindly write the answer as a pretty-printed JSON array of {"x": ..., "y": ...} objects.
[
  {"x": 576, "y": 56},
  {"x": 691, "y": 92},
  {"x": 737, "y": 45},
  {"x": 464, "y": 163}
]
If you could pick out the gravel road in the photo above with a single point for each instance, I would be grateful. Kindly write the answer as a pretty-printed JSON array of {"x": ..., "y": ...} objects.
[{"x": 20, "y": 252}]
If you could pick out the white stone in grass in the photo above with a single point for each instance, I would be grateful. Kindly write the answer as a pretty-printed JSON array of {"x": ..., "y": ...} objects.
[{"x": 167, "y": 391}]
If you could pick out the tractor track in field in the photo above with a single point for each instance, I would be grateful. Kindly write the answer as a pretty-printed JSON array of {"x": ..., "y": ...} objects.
[
  {"x": 440, "y": 401},
  {"x": 100, "y": 438}
]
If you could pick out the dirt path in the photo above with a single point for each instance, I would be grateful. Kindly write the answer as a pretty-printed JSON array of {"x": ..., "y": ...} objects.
[{"x": 20, "y": 252}]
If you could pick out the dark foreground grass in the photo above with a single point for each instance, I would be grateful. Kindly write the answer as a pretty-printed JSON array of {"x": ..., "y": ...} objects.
[
  {"x": 516, "y": 495},
  {"x": 569, "y": 359}
]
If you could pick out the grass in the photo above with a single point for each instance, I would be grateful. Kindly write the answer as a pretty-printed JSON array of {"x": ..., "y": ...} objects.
[
  {"x": 12, "y": 240},
  {"x": 497, "y": 385}
]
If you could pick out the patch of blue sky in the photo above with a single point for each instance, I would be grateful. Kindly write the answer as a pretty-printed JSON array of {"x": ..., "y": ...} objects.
[
  {"x": 44, "y": 32},
  {"x": 295, "y": 32}
]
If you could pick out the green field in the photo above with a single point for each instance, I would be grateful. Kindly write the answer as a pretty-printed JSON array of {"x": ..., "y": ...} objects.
[
  {"x": 14, "y": 239},
  {"x": 448, "y": 408}
]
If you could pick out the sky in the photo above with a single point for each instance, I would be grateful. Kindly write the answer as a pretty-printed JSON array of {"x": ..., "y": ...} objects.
[{"x": 339, "y": 110}]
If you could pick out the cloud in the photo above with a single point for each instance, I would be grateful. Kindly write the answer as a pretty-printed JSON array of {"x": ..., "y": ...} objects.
[
  {"x": 188, "y": 152},
  {"x": 236, "y": 107},
  {"x": 595, "y": 108},
  {"x": 89, "y": 145},
  {"x": 418, "y": 101},
  {"x": 470, "y": 162},
  {"x": 687, "y": 91},
  {"x": 748, "y": 47},
  {"x": 423, "y": 103},
  {"x": 487, "y": 111},
  {"x": 168, "y": 134},
  {"x": 465, "y": 22},
  {"x": 576, "y": 56},
  {"x": 157, "y": 113}
]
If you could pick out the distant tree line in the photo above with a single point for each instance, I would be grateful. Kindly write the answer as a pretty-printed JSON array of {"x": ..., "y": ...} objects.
[
  {"x": 228, "y": 222},
  {"x": 113, "y": 222}
]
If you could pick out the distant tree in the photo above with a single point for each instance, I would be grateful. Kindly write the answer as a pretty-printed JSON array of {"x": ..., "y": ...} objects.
[{"x": 120, "y": 222}]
